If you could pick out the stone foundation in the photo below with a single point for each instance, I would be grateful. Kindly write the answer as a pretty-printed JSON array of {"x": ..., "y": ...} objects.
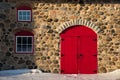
[{"x": 49, "y": 20}]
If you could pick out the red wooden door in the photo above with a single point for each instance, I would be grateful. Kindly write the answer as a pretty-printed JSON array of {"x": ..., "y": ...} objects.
[
  {"x": 87, "y": 55},
  {"x": 78, "y": 51},
  {"x": 68, "y": 55}
]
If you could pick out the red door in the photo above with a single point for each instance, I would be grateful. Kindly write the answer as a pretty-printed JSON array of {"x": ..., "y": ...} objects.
[
  {"x": 78, "y": 51},
  {"x": 87, "y": 55},
  {"x": 68, "y": 55}
]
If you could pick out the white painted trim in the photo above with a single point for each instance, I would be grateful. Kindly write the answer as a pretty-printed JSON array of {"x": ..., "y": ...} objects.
[
  {"x": 22, "y": 15},
  {"x": 28, "y": 44}
]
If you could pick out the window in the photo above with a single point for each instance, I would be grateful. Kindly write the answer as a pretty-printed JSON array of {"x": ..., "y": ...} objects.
[
  {"x": 24, "y": 42},
  {"x": 24, "y": 13}
]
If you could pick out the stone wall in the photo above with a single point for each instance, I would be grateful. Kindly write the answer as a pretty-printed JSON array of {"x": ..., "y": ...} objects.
[{"x": 47, "y": 17}]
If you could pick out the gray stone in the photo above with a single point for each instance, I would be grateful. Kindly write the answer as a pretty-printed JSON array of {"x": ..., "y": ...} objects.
[
  {"x": 48, "y": 27},
  {"x": 8, "y": 54},
  {"x": 88, "y": 19},
  {"x": 2, "y": 16},
  {"x": 21, "y": 61},
  {"x": 55, "y": 61},
  {"x": 49, "y": 20},
  {"x": 16, "y": 58},
  {"x": 55, "y": 20},
  {"x": 112, "y": 31},
  {"x": 101, "y": 13},
  {"x": 30, "y": 67},
  {"x": 7, "y": 21},
  {"x": 50, "y": 31},
  {"x": 1, "y": 64},
  {"x": 19, "y": 24},
  {"x": 109, "y": 39},
  {"x": 28, "y": 62},
  {"x": 55, "y": 71},
  {"x": 116, "y": 53},
  {"x": 10, "y": 49},
  {"x": 7, "y": 11},
  {"x": 12, "y": 25},
  {"x": 103, "y": 69},
  {"x": 25, "y": 24},
  {"x": 43, "y": 58},
  {"x": 4, "y": 5},
  {"x": 36, "y": 13},
  {"x": 1, "y": 25}
]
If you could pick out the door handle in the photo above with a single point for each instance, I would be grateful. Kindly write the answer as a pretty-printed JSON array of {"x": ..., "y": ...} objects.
[
  {"x": 95, "y": 55},
  {"x": 62, "y": 55},
  {"x": 81, "y": 55}
]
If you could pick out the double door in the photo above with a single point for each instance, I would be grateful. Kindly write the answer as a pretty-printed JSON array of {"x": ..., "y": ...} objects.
[{"x": 78, "y": 55}]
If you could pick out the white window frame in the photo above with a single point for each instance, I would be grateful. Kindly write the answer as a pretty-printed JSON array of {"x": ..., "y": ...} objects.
[
  {"x": 22, "y": 19},
  {"x": 23, "y": 44}
]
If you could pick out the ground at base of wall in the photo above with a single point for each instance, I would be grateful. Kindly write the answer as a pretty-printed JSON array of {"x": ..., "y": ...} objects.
[{"x": 34, "y": 74}]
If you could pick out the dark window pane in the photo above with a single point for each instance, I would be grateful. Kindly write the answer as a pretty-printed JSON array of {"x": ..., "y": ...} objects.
[
  {"x": 28, "y": 13},
  {"x": 28, "y": 17},
  {"x": 20, "y": 17},
  {"x": 18, "y": 40},
  {"x": 20, "y": 13},
  {"x": 24, "y": 40},
  {"x": 29, "y": 48},
  {"x": 24, "y": 47},
  {"x": 29, "y": 40},
  {"x": 18, "y": 48},
  {"x": 24, "y": 12},
  {"x": 24, "y": 17}
]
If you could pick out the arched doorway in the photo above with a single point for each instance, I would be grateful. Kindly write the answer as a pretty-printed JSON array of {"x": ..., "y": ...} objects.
[{"x": 78, "y": 50}]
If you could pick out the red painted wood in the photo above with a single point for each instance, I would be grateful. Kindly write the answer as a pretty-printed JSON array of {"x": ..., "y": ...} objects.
[
  {"x": 24, "y": 33},
  {"x": 79, "y": 46},
  {"x": 87, "y": 63},
  {"x": 24, "y": 8},
  {"x": 68, "y": 60}
]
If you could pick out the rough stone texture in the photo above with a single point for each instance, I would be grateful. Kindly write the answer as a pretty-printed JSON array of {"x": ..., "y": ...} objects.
[{"x": 47, "y": 18}]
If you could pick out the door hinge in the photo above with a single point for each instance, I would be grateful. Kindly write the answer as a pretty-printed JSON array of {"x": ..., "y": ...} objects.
[
  {"x": 95, "y": 55},
  {"x": 95, "y": 71},
  {"x": 62, "y": 39},
  {"x": 62, "y": 71},
  {"x": 62, "y": 55},
  {"x": 94, "y": 39},
  {"x": 81, "y": 55}
]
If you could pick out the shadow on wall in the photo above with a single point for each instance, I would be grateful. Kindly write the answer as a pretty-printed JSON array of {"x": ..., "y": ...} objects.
[
  {"x": 74, "y": 1},
  {"x": 81, "y": 1},
  {"x": 46, "y": 39}
]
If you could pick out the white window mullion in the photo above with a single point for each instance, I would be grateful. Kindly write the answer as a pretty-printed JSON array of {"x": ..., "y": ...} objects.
[
  {"x": 26, "y": 16},
  {"x": 16, "y": 45},
  {"x": 21, "y": 44},
  {"x": 28, "y": 47},
  {"x": 27, "y": 44}
]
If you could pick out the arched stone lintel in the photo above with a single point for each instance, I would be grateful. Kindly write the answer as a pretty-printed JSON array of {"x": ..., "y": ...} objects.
[{"x": 78, "y": 22}]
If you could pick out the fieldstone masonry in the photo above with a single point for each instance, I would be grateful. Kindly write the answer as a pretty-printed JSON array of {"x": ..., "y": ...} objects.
[{"x": 49, "y": 19}]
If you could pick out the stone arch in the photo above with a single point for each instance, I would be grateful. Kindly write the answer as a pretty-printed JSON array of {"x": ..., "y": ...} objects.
[{"x": 78, "y": 22}]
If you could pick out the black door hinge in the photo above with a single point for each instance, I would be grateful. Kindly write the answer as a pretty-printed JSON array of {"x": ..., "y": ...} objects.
[
  {"x": 62, "y": 39},
  {"x": 94, "y": 39}
]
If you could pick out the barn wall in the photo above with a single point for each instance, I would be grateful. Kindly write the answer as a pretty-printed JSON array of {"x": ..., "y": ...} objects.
[{"x": 47, "y": 18}]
